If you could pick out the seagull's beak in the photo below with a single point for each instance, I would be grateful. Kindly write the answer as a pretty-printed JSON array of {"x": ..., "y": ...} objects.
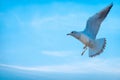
[{"x": 68, "y": 34}]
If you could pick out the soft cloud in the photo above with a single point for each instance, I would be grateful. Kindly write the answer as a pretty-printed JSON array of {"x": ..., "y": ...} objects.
[
  {"x": 20, "y": 22},
  {"x": 58, "y": 53},
  {"x": 58, "y": 22},
  {"x": 91, "y": 66}
]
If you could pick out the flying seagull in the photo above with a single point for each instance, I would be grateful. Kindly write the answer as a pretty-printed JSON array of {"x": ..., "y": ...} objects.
[{"x": 88, "y": 36}]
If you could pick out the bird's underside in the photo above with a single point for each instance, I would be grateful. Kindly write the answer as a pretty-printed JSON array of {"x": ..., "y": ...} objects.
[{"x": 95, "y": 47}]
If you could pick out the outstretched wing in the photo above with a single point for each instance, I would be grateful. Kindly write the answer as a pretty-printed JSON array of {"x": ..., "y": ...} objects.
[{"x": 94, "y": 22}]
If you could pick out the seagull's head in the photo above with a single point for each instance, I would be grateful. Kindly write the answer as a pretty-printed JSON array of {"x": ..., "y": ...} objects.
[
  {"x": 75, "y": 34},
  {"x": 72, "y": 33}
]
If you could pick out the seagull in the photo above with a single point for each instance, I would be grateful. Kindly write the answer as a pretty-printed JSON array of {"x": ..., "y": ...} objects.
[{"x": 88, "y": 35}]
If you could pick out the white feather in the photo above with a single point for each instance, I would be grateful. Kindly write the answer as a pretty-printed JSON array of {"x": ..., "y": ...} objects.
[{"x": 98, "y": 48}]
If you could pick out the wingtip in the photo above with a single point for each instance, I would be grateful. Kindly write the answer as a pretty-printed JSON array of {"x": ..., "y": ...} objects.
[{"x": 111, "y": 4}]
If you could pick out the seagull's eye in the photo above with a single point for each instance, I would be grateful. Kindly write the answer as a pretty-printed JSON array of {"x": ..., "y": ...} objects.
[{"x": 71, "y": 32}]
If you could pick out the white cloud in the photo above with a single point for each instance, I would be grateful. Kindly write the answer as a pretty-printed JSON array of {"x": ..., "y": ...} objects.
[
  {"x": 58, "y": 21},
  {"x": 58, "y": 53},
  {"x": 20, "y": 22},
  {"x": 88, "y": 66}
]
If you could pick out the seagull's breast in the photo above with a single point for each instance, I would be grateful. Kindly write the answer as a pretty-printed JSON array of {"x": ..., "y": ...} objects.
[{"x": 84, "y": 39}]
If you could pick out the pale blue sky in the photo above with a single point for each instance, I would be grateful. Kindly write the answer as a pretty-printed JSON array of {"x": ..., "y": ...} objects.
[{"x": 33, "y": 36}]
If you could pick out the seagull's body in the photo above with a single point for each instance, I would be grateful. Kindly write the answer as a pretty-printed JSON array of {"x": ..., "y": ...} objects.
[{"x": 88, "y": 36}]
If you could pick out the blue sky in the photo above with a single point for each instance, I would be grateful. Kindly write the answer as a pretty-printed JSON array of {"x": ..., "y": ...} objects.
[{"x": 33, "y": 38}]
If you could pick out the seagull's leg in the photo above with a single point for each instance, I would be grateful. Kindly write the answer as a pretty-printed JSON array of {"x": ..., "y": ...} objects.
[{"x": 85, "y": 48}]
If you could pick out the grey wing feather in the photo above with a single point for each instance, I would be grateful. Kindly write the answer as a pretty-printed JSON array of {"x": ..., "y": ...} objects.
[{"x": 94, "y": 22}]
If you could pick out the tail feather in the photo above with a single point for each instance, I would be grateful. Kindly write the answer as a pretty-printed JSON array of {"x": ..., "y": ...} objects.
[{"x": 98, "y": 47}]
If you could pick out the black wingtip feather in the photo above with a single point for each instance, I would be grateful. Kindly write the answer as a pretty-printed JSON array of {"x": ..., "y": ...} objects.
[{"x": 111, "y": 5}]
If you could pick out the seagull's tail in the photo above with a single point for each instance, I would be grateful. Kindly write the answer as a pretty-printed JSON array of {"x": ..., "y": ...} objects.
[{"x": 98, "y": 47}]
